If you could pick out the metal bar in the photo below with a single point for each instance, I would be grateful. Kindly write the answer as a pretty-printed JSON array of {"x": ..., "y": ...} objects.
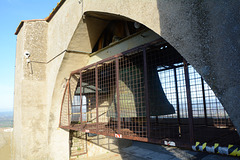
[
  {"x": 178, "y": 105},
  {"x": 70, "y": 142},
  {"x": 78, "y": 154},
  {"x": 86, "y": 142},
  {"x": 177, "y": 96},
  {"x": 71, "y": 102},
  {"x": 146, "y": 92},
  {"x": 204, "y": 102},
  {"x": 189, "y": 102},
  {"x": 68, "y": 102},
  {"x": 150, "y": 140},
  {"x": 117, "y": 90},
  {"x": 96, "y": 84},
  {"x": 80, "y": 85}
]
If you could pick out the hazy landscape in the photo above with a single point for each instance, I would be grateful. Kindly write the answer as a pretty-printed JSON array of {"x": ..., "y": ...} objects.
[
  {"x": 6, "y": 124},
  {"x": 6, "y": 119}
]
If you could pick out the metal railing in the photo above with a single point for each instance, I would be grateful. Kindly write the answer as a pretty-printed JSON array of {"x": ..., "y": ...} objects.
[{"x": 149, "y": 93}]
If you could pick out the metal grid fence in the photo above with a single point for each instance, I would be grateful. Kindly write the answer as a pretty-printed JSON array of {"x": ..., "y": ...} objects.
[{"x": 150, "y": 94}]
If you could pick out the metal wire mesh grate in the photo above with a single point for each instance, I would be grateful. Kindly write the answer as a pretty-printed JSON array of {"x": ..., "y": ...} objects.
[
  {"x": 106, "y": 98},
  {"x": 78, "y": 143},
  {"x": 149, "y": 94},
  {"x": 131, "y": 96}
]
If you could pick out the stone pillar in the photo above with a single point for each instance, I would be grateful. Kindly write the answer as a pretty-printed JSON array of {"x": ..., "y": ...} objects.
[{"x": 30, "y": 116}]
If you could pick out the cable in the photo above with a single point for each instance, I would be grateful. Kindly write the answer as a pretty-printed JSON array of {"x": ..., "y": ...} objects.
[{"x": 58, "y": 56}]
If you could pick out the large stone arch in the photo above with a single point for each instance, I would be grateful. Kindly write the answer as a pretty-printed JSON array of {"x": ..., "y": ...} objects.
[
  {"x": 197, "y": 31},
  {"x": 206, "y": 47}
]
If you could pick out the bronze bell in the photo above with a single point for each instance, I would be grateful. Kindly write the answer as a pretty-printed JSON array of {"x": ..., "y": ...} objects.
[{"x": 131, "y": 91}]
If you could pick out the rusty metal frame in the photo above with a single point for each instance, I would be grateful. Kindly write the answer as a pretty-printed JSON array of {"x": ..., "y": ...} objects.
[
  {"x": 146, "y": 92},
  {"x": 117, "y": 90},
  {"x": 69, "y": 95},
  {"x": 96, "y": 84},
  {"x": 189, "y": 102},
  {"x": 204, "y": 102},
  {"x": 73, "y": 155},
  {"x": 80, "y": 81},
  {"x": 180, "y": 120},
  {"x": 177, "y": 96}
]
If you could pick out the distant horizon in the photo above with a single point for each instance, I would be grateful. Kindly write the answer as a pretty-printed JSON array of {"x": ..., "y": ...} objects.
[{"x": 6, "y": 110}]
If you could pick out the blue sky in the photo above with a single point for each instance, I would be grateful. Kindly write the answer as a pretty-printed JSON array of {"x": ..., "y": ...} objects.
[{"x": 11, "y": 13}]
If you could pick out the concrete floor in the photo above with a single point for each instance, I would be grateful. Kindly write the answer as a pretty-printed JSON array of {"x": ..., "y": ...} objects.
[{"x": 146, "y": 151}]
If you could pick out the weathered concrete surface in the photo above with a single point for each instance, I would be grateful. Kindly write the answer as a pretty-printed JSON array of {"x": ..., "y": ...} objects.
[
  {"x": 60, "y": 32},
  {"x": 145, "y": 151},
  {"x": 204, "y": 32},
  {"x": 30, "y": 112}
]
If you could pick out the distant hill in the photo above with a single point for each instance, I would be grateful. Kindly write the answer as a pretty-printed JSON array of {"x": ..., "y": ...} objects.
[{"x": 6, "y": 119}]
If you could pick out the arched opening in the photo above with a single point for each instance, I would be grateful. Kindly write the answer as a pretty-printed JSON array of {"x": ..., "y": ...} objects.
[
  {"x": 98, "y": 30},
  {"x": 147, "y": 93}
]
